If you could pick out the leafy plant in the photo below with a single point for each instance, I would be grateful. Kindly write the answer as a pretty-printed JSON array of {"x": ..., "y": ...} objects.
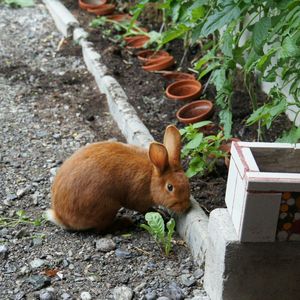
[
  {"x": 128, "y": 28},
  {"x": 259, "y": 37},
  {"x": 156, "y": 227},
  {"x": 19, "y": 3},
  {"x": 202, "y": 151},
  {"x": 21, "y": 218}
]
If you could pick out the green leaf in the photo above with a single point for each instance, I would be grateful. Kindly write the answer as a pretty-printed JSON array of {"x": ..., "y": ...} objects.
[
  {"x": 289, "y": 48},
  {"x": 220, "y": 19},
  {"x": 174, "y": 33},
  {"x": 219, "y": 78},
  {"x": 195, "y": 142},
  {"x": 227, "y": 44},
  {"x": 260, "y": 33},
  {"x": 156, "y": 222},
  {"x": 226, "y": 121},
  {"x": 291, "y": 136},
  {"x": 21, "y": 213},
  {"x": 201, "y": 124}
]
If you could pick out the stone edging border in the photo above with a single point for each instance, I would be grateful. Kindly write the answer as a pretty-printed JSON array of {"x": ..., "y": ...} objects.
[{"x": 193, "y": 226}]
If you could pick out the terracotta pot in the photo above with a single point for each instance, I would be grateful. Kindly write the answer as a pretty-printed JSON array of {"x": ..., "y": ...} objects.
[
  {"x": 147, "y": 56},
  {"x": 176, "y": 76},
  {"x": 195, "y": 111},
  {"x": 158, "y": 64},
  {"x": 103, "y": 10},
  {"x": 184, "y": 90},
  {"x": 91, "y": 4},
  {"x": 119, "y": 17},
  {"x": 137, "y": 41}
]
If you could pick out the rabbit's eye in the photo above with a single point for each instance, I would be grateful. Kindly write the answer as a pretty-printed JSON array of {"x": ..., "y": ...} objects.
[{"x": 170, "y": 187}]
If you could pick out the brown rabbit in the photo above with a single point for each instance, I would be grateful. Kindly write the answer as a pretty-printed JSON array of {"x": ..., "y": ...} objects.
[{"x": 97, "y": 180}]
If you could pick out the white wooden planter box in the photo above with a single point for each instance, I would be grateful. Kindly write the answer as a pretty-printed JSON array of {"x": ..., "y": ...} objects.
[{"x": 263, "y": 191}]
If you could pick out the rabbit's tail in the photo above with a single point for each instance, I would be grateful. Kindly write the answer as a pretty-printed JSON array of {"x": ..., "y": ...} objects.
[{"x": 52, "y": 217}]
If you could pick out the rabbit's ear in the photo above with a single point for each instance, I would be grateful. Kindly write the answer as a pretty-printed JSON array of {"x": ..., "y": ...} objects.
[
  {"x": 159, "y": 156},
  {"x": 172, "y": 141}
]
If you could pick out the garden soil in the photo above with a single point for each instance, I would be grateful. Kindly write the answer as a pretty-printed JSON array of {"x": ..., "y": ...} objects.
[
  {"x": 50, "y": 106},
  {"x": 145, "y": 91}
]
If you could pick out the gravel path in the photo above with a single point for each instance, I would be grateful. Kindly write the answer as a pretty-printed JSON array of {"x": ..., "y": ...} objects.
[{"x": 50, "y": 107}]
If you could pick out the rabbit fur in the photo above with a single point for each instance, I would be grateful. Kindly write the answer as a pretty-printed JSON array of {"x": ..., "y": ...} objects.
[{"x": 97, "y": 180}]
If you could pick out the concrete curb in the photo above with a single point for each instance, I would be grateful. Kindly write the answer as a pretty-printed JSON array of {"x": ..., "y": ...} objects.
[
  {"x": 192, "y": 226},
  {"x": 64, "y": 20}
]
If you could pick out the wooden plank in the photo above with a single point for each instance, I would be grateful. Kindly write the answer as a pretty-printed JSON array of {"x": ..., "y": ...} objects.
[
  {"x": 260, "y": 217},
  {"x": 277, "y": 160},
  {"x": 273, "y": 182}
]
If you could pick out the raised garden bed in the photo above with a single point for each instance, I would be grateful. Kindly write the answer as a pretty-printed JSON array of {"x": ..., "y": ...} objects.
[{"x": 145, "y": 92}]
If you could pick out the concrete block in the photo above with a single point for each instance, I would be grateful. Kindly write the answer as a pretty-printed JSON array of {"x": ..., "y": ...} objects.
[
  {"x": 192, "y": 227},
  {"x": 92, "y": 61},
  {"x": 64, "y": 20},
  {"x": 79, "y": 35},
  {"x": 248, "y": 271}
]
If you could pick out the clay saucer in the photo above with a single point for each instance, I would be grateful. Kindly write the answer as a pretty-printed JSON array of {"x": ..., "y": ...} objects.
[
  {"x": 147, "y": 56},
  {"x": 184, "y": 90},
  {"x": 176, "y": 76},
  {"x": 158, "y": 64},
  {"x": 195, "y": 111},
  {"x": 119, "y": 17},
  {"x": 102, "y": 10},
  {"x": 91, "y": 4},
  {"x": 137, "y": 41}
]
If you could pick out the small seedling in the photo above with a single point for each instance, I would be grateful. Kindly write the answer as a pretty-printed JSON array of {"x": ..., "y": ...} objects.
[
  {"x": 21, "y": 218},
  {"x": 156, "y": 227}
]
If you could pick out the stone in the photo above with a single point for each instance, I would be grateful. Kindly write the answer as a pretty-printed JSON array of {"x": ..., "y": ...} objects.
[
  {"x": 198, "y": 273},
  {"x": 105, "y": 245},
  {"x": 187, "y": 280},
  {"x": 174, "y": 292},
  {"x": 66, "y": 296},
  {"x": 122, "y": 293},
  {"x": 21, "y": 192},
  {"x": 39, "y": 281},
  {"x": 151, "y": 295},
  {"x": 36, "y": 263},
  {"x": 3, "y": 252},
  {"x": 85, "y": 296},
  {"x": 123, "y": 253},
  {"x": 47, "y": 295}
]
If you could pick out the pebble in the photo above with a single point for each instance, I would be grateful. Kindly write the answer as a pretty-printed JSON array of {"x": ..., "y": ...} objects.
[
  {"x": 174, "y": 292},
  {"x": 3, "y": 252},
  {"x": 198, "y": 273},
  {"x": 123, "y": 253},
  {"x": 47, "y": 295},
  {"x": 36, "y": 263},
  {"x": 11, "y": 197},
  {"x": 187, "y": 280},
  {"x": 39, "y": 281},
  {"x": 105, "y": 245},
  {"x": 66, "y": 296},
  {"x": 151, "y": 295},
  {"x": 37, "y": 242},
  {"x": 122, "y": 293},
  {"x": 21, "y": 192},
  {"x": 85, "y": 296}
]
